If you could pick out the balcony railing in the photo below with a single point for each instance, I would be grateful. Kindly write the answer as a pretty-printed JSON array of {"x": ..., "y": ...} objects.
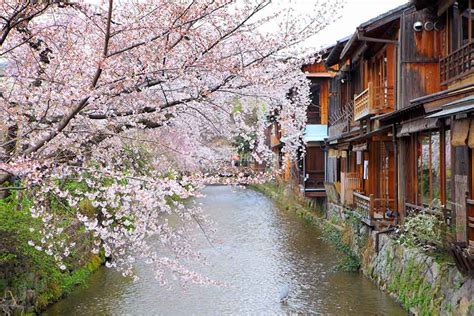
[
  {"x": 362, "y": 103},
  {"x": 350, "y": 183},
  {"x": 314, "y": 180},
  {"x": 364, "y": 205},
  {"x": 374, "y": 210},
  {"x": 373, "y": 100},
  {"x": 457, "y": 64},
  {"x": 341, "y": 120}
]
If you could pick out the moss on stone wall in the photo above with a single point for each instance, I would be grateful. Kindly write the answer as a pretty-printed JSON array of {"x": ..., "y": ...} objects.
[
  {"x": 422, "y": 283},
  {"x": 58, "y": 288},
  {"x": 412, "y": 289}
]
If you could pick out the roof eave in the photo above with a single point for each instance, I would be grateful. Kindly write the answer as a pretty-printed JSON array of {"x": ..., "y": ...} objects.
[
  {"x": 333, "y": 56},
  {"x": 373, "y": 24},
  {"x": 354, "y": 38}
]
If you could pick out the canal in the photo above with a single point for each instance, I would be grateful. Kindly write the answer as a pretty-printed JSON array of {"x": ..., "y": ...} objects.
[{"x": 258, "y": 250}]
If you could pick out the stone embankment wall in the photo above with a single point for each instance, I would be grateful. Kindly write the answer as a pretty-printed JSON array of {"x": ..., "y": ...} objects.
[{"x": 424, "y": 284}]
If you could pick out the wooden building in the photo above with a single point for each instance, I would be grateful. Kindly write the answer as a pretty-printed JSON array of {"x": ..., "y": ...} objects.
[
  {"x": 401, "y": 122},
  {"x": 447, "y": 109},
  {"x": 362, "y": 153},
  {"x": 309, "y": 172},
  {"x": 397, "y": 101}
]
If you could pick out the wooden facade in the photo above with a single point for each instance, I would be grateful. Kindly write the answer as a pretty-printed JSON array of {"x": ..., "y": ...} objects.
[
  {"x": 310, "y": 170},
  {"x": 401, "y": 118},
  {"x": 397, "y": 98},
  {"x": 362, "y": 155}
]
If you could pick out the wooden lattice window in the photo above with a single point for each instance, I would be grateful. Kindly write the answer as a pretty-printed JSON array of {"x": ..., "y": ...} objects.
[{"x": 431, "y": 170}]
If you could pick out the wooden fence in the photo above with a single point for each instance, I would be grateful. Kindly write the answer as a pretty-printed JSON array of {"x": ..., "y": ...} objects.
[{"x": 350, "y": 182}]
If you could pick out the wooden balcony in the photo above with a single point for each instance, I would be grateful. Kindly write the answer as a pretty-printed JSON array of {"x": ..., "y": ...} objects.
[
  {"x": 373, "y": 100},
  {"x": 457, "y": 64},
  {"x": 362, "y": 104},
  {"x": 350, "y": 183},
  {"x": 364, "y": 205},
  {"x": 341, "y": 120},
  {"x": 374, "y": 211}
]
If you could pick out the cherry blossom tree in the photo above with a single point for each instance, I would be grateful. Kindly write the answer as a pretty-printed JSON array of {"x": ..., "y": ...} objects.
[{"x": 87, "y": 84}]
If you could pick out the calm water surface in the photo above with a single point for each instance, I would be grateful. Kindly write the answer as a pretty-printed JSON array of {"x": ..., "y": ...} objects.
[{"x": 258, "y": 250}]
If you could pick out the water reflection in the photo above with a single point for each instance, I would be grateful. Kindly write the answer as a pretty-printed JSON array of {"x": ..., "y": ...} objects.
[{"x": 258, "y": 250}]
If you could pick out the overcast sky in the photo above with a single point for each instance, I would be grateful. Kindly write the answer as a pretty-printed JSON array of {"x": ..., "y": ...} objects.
[{"x": 354, "y": 13}]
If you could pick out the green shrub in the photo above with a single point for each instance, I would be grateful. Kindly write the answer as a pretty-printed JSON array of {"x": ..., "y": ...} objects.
[
  {"x": 423, "y": 229},
  {"x": 26, "y": 268}
]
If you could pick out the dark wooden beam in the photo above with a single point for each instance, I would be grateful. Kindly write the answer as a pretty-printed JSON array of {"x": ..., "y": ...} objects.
[{"x": 421, "y": 4}]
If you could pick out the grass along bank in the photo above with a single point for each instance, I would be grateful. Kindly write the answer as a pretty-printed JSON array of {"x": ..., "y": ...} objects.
[{"x": 30, "y": 279}]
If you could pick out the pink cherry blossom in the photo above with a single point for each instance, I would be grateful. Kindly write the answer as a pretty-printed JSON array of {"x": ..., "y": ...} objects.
[{"x": 92, "y": 91}]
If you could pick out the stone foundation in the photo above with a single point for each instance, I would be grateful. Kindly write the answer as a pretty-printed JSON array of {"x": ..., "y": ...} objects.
[
  {"x": 422, "y": 283},
  {"x": 334, "y": 211}
]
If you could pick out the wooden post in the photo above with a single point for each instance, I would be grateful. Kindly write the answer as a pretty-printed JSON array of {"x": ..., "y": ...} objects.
[
  {"x": 371, "y": 206},
  {"x": 461, "y": 190},
  {"x": 442, "y": 164},
  {"x": 370, "y": 97},
  {"x": 354, "y": 108}
]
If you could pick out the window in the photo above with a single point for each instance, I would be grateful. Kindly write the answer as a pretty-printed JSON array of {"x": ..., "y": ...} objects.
[
  {"x": 314, "y": 111},
  {"x": 428, "y": 168},
  {"x": 466, "y": 24},
  {"x": 315, "y": 92},
  {"x": 431, "y": 170}
]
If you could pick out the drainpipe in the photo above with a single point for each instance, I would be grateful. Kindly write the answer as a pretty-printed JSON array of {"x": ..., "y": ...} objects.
[
  {"x": 377, "y": 234},
  {"x": 395, "y": 153}
]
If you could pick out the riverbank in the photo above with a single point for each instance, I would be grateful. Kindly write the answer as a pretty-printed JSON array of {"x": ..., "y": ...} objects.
[
  {"x": 30, "y": 279},
  {"x": 423, "y": 284}
]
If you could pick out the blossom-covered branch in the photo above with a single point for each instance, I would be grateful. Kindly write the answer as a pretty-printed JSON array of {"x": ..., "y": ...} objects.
[{"x": 88, "y": 88}]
